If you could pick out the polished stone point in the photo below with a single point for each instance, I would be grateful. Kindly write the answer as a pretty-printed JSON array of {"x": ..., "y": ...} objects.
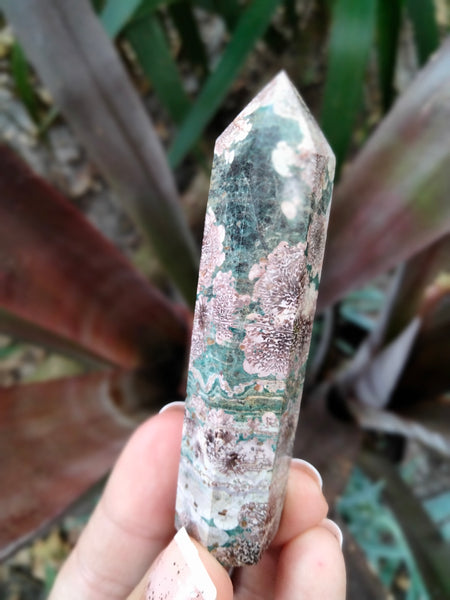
[{"x": 263, "y": 245}]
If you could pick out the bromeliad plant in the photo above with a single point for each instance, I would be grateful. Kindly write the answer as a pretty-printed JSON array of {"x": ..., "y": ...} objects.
[{"x": 62, "y": 285}]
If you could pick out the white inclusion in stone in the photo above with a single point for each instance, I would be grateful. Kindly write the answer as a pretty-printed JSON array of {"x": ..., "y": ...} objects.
[
  {"x": 227, "y": 514},
  {"x": 229, "y": 156},
  {"x": 294, "y": 202},
  {"x": 283, "y": 158},
  {"x": 289, "y": 209},
  {"x": 216, "y": 537}
]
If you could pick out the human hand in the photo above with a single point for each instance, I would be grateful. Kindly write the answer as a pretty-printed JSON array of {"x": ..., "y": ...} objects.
[{"x": 132, "y": 528}]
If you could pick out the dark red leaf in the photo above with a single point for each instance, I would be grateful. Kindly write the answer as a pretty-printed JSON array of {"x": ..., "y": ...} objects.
[
  {"x": 330, "y": 444},
  {"x": 56, "y": 440},
  {"x": 58, "y": 272},
  {"x": 71, "y": 52},
  {"x": 425, "y": 279},
  {"x": 427, "y": 373},
  {"x": 375, "y": 385}
]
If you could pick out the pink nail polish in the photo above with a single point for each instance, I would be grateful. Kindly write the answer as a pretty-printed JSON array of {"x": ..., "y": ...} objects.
[
  {"x": 310, "y": 469},
  {"x": 334, "y": 529},
  {"x": 174, "y": 404},
  {"x": 179, "y": 574}
]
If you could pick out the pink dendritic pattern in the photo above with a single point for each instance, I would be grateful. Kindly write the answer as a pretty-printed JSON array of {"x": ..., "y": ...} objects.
[
  {"x": 212, "y": 258},
  {"x": 224, "y": 305},
  {"x": 201, "y": 320},
  {"x": 278, "y": 337},
  {"x": 216, "y": 444},
  {"x": 233, "y": 134},
  {"x": 212, "y": 249},
  {"x": 219, "y": 311},
  {"x": 317, "y": 234}
]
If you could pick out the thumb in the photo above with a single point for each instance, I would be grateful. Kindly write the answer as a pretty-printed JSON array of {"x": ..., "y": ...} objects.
[{"x": 184, "y": 570}]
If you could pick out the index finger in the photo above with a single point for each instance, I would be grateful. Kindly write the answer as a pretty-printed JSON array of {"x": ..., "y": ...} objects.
[{"x": 134, "y": 519}]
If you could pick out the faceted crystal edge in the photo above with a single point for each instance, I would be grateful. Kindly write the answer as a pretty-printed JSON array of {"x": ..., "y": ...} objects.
[{"x": 263, "y": 244}]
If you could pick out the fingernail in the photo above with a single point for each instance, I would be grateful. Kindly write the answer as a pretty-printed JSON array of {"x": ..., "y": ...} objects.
[
  {"x": 171, "y": 405},
  {"x": 310, "y": 469},
  {"x": 179, "y": 573},
  {"x": 334, "y": 529}
]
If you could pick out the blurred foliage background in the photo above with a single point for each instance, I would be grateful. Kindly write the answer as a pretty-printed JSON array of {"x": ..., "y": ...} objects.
[{"x": 115, "y": 105}]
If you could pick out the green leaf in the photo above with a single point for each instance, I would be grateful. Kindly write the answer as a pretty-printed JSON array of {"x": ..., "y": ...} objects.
[
  {"x": 429, "y": 551},
  {"x": 209, "y": 5},
  {"x": 357, "y": 318},
  {"x": 116, "y": 13},
  {"x": 148, "y": 7},
  {"x": 361, "y": 307},
  {"x": 98, "y": 5},
  {"x": 423, "y": 17},
  {"x": 438, "y": 507},
  {"x": 291, "y": 16},
  {"x": 54, "y": 366},
  {"x": 388, "y": 28},
  {"x": 192, "y": 43},
  {"x": 351, "y": 37},
  {"x": 150, "y": 44},
  {"x": 21, "y": 75},
  {"x": 230, "y": 11},
  {"x": 252, "y": 25},
  {"x": 369, "y": 299},
  {"x": 50, "y": 577},
  {"x": 10, "y": 349}
]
